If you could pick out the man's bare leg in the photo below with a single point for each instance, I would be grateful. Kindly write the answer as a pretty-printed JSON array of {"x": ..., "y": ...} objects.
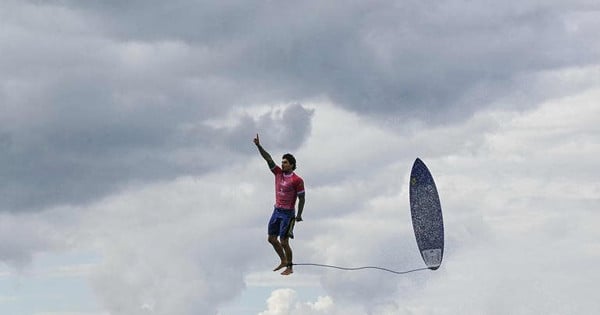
[
  {"x": 285, "y": 244},
  {"x": 279, "y": 250}
]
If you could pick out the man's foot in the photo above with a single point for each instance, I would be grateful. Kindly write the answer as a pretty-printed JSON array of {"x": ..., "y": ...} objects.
[
  {"x": 288, "y": 271},
  {"x": 283, "y": 264}
]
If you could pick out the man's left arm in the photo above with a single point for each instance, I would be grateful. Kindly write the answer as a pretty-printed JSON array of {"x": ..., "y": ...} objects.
[{"x": 301, "y": 200}]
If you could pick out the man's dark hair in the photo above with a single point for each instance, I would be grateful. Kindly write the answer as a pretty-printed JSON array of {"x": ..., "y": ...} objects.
[{"x": 290, "y": 158}]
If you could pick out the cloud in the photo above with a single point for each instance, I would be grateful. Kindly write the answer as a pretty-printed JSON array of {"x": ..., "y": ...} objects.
[
  {"x": 23, "y": 236},
  {"x": 284, "y": 302},
  {"x": 186, "y": 245},
  {"x": 118, "y": 84},
  {"x": 177, "y": 247},
  {"x": 126, "y": 129},
  {"x": 287, "y": 302},
  {"x": 77, "y": 164},
  {"x": 518, "y": 192},
  {"x": 95, "y": 113}
]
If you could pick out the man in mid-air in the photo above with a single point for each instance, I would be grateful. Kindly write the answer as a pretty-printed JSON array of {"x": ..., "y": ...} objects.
[{"x": 288, "y": 187}]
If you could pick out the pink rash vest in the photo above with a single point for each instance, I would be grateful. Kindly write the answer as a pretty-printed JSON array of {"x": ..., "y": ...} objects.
[{"x": 287, "y": 188}]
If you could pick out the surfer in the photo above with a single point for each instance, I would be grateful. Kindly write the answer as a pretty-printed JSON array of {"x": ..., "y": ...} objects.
[{"x": 288, "y": 187}]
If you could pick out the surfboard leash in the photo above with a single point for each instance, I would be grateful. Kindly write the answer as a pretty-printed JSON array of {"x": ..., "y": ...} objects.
[{"x": 360, "y": 268}]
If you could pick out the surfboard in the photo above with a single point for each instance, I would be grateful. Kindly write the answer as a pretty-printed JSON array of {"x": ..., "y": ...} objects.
[{"x": 426, "y": 213}]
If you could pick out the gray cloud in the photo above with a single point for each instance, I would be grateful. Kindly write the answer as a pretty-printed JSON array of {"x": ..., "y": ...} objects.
[
  {"x": 97, "y": 94},
  {"x": 77, "y": 162},
  {"x": 24, "y": 235},
  {"x": 93, "y": 112},
  {"x": 407, "y": 58}
]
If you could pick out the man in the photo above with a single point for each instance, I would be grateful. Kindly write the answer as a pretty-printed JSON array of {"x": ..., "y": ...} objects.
[{"x": 288, "y": 187}]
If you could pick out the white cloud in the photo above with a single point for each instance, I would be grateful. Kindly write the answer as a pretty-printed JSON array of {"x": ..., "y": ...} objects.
[
  {"x": 516, "y": 225},
  {"x": 285, "y": 302},
  {"x": 176, "y": 247},
  {"x": 518, "y": 190}
]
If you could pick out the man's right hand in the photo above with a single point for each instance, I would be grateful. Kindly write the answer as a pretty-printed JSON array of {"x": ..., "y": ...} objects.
[
  {"x": 264, "y": 153},
  {"x": 256, "y": 140}
]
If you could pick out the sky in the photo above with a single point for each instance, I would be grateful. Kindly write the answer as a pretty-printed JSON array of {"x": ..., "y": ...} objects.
[{"x": 130, "y": 185}]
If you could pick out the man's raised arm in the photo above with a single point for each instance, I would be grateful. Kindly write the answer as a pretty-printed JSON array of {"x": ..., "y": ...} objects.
[{"x": 264, "y": 153}]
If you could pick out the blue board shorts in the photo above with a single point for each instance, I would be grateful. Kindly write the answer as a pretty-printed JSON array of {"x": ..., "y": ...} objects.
[{"x": 282, "y": 222}]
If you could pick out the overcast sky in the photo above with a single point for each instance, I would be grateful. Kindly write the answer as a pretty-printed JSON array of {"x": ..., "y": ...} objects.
[{"x": 130, "y": 184}]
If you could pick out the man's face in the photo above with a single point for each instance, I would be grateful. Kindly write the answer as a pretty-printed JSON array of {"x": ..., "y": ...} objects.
[{"x": 286, "y": 166}]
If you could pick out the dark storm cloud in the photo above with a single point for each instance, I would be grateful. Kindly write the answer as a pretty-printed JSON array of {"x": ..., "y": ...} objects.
[
  {"x": 74, "y": 163},
  {"x": 429, "y": 60},
  {"x": 99, "y": 94},
  {"x": 85, "y": 115}
]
